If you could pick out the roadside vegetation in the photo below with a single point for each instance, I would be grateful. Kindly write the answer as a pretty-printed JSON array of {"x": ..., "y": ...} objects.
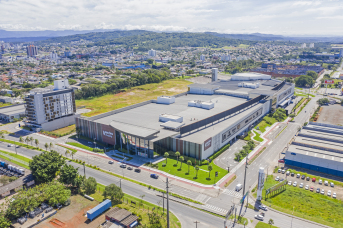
[
  {"x": 81, "y": 146},
  {"x": 60, "y": 132},
  {"x": 245, "y": 151},
  {"x": 278, "y": 116}
]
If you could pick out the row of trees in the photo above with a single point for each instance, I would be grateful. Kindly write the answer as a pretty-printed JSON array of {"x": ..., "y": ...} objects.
[
  {"x": 245, "y": 151},
  {"x": 95, "y": 88},
  {"x": 307, "y": 80}
]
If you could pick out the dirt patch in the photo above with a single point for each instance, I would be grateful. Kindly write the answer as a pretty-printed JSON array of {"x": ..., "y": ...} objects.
[
  {"x": 131, "y": 93},
  {"x": 331, "y": 114},
  {"x": 175, "y": 90},
  {"x": 74, "y": 215}
]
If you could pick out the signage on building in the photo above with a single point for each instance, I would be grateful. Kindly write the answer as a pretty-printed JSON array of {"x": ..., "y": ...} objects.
[
  {"x": 207, "y": 143},
  {"x": 329, "y": 82},
  {"x": 241, "y": 125},
  {"x": 107, "y": 133}
]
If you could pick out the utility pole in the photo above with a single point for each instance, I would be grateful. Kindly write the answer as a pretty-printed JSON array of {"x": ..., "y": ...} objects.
[
  {"x": 120, "y": 183},
  {"x": 196, "y": 224},
  {"x": 245, "y": 176},
  {"x": 84, "y": 170},
  {"x": 163, "y": 202},
  {"x": 167, "y": 203}
]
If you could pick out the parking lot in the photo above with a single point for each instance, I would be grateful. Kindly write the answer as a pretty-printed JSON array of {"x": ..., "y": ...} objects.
[
  {"x": 336, "y": 189},
  {"x": 331, "y": 114}
]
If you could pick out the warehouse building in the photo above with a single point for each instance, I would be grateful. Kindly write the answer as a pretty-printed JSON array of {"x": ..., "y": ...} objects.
[
  {"x": 196, "y": 123},
  {"x": 318, "y": 147},
  {"x": 9, "y": 113}
]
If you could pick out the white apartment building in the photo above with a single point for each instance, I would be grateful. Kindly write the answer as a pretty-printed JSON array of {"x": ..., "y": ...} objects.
[
  {"x": 51, "y": 109},
  {"x": 53, "y": 56},
  {"x": 152, "y": 53},
  {"x": 303, "y": 45},
  {"x": 311, "y": 45},
  {"x": 225, "y": 58},
  {"x": 202, "y": 57}
]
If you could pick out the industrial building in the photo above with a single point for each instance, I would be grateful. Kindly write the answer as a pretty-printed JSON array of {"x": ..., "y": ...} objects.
[
  {"x": 196, "y": 123},
  {"x": 318, "y": 147},
  {"x": 9, "y": 113},
  {"x": 51, "y": 109}
]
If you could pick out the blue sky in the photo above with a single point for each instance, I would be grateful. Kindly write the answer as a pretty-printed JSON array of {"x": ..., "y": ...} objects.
[{"x": 285, "y": 17}]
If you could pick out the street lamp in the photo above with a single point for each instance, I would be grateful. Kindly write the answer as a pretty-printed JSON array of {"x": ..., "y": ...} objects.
[{"x": 94, "y": 142}]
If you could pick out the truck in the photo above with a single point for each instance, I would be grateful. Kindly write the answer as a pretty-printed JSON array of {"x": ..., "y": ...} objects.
[
  {"x": 238, "y": 187},
  {"x": 99, "y": 209}
]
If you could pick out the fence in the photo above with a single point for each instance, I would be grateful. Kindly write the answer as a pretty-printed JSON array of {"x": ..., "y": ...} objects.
[{"x": 14, "y": 159}]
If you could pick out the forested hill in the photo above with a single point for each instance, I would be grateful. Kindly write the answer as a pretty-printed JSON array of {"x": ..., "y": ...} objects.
[{"x": 144, "y": 40}]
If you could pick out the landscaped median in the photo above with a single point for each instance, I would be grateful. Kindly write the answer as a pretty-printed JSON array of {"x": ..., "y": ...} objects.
[
  {"x": 308, "y": 205},
  {"x": 81, "y": 146}
]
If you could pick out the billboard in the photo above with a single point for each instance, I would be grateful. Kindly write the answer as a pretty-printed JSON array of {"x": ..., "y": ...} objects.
[
  {"x": 326, "y": 81},
  {"x": 207, "y": 143},
  {"x": 276, "y": 187}
]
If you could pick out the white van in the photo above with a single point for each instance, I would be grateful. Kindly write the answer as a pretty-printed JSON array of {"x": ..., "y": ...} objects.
[{"x": 238, "y": 187}]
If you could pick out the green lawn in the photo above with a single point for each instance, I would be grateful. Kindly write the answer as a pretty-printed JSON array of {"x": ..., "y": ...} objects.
[
  {"x": 257, "y": 137},
  {"x": 264, "y": 225},
  {"x": 308, "y": 205},
  {"x": 80, "y": 146},
  {"x": 303, "y": 95},
  {"x": 203, "y": 174},
  {"x": 266, "y": 122},
  {"x": 68, "y": 148},
  {"x": 16, "y": 156}
]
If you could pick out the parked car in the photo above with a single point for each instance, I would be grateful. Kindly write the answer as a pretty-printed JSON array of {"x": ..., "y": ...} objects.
[
  {"x": 326, "y": 183},
  {"x": 329, "y": 193},
  {"x": 129, "y": 168},
  {"x": 153, "y": 175},
  {"x": 322, "y": 192},
  {"x": 281, "y": 161},
  {"x": 320, "y": 181},
  {"x": 303, "y": 177},
  {"x": 292, "y": 174},
  {"x": 283, "y": 171},
  {"x": 110, "y": 162},
  {"x": 281, "y": 179},
  {"x": 277, "y": 178},
  {"x": 263, "y": 207},
  {"x": 287, "y": 173},
  {"x": 279, "y": 170},
  {"x": 295, "y": 184},
  {"x": 332, "y": 184},
  {"x": 137, "y": 170},
  {"x": 313, "y": 179},
  {"x": 307, "y": 178},
  {"x": 259, "y": 217},
  {"x": 289, "y": 182},
  {"x": 334, "y": 195},
  {"x": 9, "y": 145},
  {"x": 318, "y": 190},
  {"x": 306, "y": 187},
  {"x": 298, "y": 175},
  {"x": 301, "y": 185},
  {"x": 122, "y": 166}
]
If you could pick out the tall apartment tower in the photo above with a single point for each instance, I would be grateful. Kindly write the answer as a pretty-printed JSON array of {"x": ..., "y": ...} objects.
[
  {"x": 202, "y": 57},
  {"x": 152, "y": 53},
  {"x": 31, "y": 50},
  {"x": 51, "y": 109},
  {"x": 214, "y": 74},
  {"x": 311, "y": 45}
]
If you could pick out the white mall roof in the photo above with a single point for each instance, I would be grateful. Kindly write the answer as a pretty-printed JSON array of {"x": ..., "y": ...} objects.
[{"x": 250, "y": 76}]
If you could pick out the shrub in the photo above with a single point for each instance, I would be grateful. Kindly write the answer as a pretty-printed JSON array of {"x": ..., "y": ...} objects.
[{"x": 204, "y": 162}]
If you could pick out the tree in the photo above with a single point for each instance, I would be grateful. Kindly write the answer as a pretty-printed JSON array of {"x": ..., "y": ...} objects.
[
  {"x": 21, "y": 140},
  {"x": 89, "y": 185},
  {"x": 150, "y": 61},
  {"x": 271, "y": 222},
  {"x": 279, "y": 114},
  {"x": 68, "y": 174},
  {"x": 177, "y": 154},
  {"x": 113, "y": 192},
  {"x": 181, "y": 160},
  {"x": 312, "y": 74},
  {"x": 51, "y": 145},
  {"x": 73, "y": 152},
  {"x": 209, "y": 170},
  {"x": 45, "y": 166},
  {"x": 189, "y": 162},
  {"x": 166, "y": 155},
  {"x": 154, "y": 220},
  {"x": 304, "y": 80},
  {"x": 27, "y": 140},
  {"x": 31, "y": 140},
  {"x": 67, "y": 153},
  {"x": 46, "y": 145},
  {"x": 78, "y": 131},
  {"x": 4, "y": 222},
  {"x": 196, "y": 170},
  {"x": 292, "y": 115},
  {"x": 36, "y": 142},
  {"x": 323, "y": 101}
]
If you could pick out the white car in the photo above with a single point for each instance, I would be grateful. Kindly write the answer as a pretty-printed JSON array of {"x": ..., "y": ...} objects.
[
  {"x": 326, "y": 183},
  {"x": 259, "y": 217},
  {"x": 279, "y": 170},
  {"x": 320, "y": 181},
  {"x": 110, "y": 162},
  {"x": 301, "y": 185},
  {"x": 287, "y": 173},
  {"x": 322, "y": 192},
  {"x": 306, "y": 187},
  {"x": 263, "y": 208},
  {"x": 334, "y": 195},
  {"x": 283, "y": 171},
  {"x": 329, "y": 193},
  {"x": 289, "y": 182},
  {"x": 122, "y": 166},
  {"x": 332, "y": 184},
  {"x": 9, "y": 145},
  {"x": 298, "y": 175},
  {"x": 277, "y": 178},
  {"x": 295, "y": 184}
]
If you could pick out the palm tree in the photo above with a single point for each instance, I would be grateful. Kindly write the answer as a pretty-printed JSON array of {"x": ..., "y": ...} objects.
[
  {"x": 196, "y": 170},
  {"x": 31, "y": 140},
  {"x": 36, "y": 142},
  {"x": 177, "y": 154},
  {"x": 27, "y": 140},
  {"x": 271, "y": 222},
  {"x": 46, "y": 145},
  {"x": 51, "y": 145},
  {"x": 67, "y": 152},
  {"x": 189, "y": 162},
  {"x": 166, "y": 155},
  {"x": 21, "y": 139},
  {"x": 209, "y": 170},
  {"x": 181, "y": 160},
  {"x": 78, "y": 131},
  {"x": 72, "y": 153}
]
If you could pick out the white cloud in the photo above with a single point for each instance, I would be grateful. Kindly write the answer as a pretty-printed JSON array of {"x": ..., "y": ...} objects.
[{"x": 286, "y": 17}]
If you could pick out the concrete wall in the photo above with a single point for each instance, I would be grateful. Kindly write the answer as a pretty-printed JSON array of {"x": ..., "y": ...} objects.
[{"x": 59, "y": 123}]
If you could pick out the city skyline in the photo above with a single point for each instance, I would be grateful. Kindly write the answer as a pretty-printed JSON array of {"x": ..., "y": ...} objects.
[{"x": 289, "y": 18}]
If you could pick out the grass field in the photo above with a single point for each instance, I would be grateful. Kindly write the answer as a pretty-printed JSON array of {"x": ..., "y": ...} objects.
[
  {"x": 264, "y": 124},
  {"x": 257, "y": 137},
  {"x": 203, "y": 174},
  {"x": 264, "y": 225},
  {"x": 65, "y": 130},
  {"x": 132, "y": 96},
  {"x": 308, "y": 205},
  {"x": 80, "y": 146},
  {"x": 142, "y": 208}
]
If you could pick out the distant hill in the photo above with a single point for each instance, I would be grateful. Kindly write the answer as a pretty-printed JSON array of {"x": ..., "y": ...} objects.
[{"x": 46, "y": 33}]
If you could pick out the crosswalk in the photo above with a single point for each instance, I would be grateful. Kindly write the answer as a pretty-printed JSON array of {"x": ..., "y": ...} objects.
[
  {"x": 214, "y": 208},
  {"x": 202, "y": 198},
  {"x": 233, "y": 193}
]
